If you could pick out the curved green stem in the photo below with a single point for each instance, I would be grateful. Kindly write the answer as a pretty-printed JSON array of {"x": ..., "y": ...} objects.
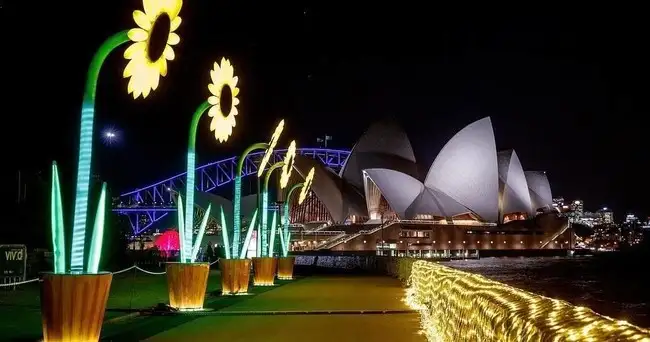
[
  {"x": 186, "y": 246},
  {"x": 285, "y": 221},
  {"x": 236, "y": 234},
  {"x": 264, "y": 232},
  {"x": 85, "y": 150}
]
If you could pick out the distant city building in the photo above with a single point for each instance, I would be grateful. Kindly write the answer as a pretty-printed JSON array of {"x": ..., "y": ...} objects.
[
  {"x": 604, "y": 216},
  {"x": 577, "y": 210},
  {"x": 632, "y": 231},
  {"x": 631, "y": 218}
]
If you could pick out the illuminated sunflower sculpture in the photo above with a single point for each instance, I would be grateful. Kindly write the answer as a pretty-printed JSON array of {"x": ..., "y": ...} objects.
[
  {"x": 285, "y": 235},
  {"x": 222, "y": 79},
  {"x": 224, "y": 99},
  {"x": 83, "y": 281},
  {"x": 148, "y": 57},
  {"x": 152, "y": 45}
]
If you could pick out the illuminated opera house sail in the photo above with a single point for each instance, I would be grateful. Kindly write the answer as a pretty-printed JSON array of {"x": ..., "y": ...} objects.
[{"x": 471, "y": 198}]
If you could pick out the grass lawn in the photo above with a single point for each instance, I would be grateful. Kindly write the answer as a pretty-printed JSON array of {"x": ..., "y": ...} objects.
[{"x": 20, "y": 309}]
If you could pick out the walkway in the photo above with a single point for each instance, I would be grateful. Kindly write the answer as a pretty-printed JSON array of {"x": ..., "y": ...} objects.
[{"x": 331, "y": 308}]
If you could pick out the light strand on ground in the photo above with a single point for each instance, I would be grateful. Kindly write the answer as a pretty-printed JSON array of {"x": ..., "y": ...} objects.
[{"x": 460, "y": 306}]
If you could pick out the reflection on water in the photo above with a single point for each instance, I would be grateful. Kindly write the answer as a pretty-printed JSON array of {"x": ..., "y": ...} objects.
[{"x": 613, "y": 285}]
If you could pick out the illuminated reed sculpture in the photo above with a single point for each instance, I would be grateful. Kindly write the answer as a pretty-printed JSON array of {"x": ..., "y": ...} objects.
[
  {"x": 285, "y": 262},
  {"x": 187, "y": 279},
  {"x": 80, "y": 285}
]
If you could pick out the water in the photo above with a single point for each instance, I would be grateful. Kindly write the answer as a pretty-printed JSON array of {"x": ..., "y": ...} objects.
[{"x": 617, "y": 286}]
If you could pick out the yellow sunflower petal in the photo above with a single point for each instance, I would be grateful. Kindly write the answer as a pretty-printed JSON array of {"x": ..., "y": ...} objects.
[
  {"x": 155, "y": 80},
  {"x": 173, "y": 39},
  {"x": 213, "y": 100},
  {"x": 212, "y": 112},
  {"x": 146, "y": 91},
  {"x": 137, "y": 34},
  {"x": 172, "y": 7},
  {"x": 135, "y": 50},
  {"x": 142, "y": 20},
  {"x": 175, "y": 23},
  {"x": 151, "y": 8},
  {"x": 215, "y": 76},
  {"x": 213, "y": 89},
  {"x": 235, "y": 91},
  {"x": 169, "y": 53},
  {"x": 227, "y": 71},
  {"x": 162, "y": 66}
]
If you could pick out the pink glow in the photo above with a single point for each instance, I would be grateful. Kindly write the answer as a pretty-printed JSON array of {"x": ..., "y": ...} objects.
[{"x": 168, "y": 242}]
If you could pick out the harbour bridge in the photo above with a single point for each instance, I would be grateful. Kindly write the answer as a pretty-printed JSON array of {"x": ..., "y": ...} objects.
[{"x": 147, "y": 205}]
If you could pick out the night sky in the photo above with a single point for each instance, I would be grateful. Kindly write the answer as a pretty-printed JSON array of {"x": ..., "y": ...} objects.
[{"x": 567, "y": 89}]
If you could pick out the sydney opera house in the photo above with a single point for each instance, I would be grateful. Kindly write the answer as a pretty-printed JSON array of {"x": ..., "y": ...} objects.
[{"x": 472, "y": 198}]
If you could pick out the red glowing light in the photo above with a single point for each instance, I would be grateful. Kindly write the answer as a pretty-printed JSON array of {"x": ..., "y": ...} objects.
[{"x": 168, "y": 242}]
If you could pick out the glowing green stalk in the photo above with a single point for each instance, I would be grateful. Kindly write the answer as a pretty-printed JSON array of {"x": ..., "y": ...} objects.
[
  {"x": 98, "y": 234},
  {"x": 282, "y": 244},
  {"x": 236, "y": 234},
  {"x": 224, "y": 232},
  {"x": 56, "y": 221},
  {"x": 86, "y": 149},
  {"x": 247, "y": 241},
  {"x": 285, "y": 223},
  {"x": 189, "y": 182},
  {"x": 273, "y": 225},
  {"x": 199, "y": 238},
  {"x": 265, "y": 204},
  {"x": 181, "y": 227}
]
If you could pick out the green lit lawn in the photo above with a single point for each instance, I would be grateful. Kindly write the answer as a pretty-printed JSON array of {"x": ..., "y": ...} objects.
[{"x": 20, "y": 309}]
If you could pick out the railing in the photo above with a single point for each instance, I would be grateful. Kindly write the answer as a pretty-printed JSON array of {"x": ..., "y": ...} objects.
[
  {"x": 460, "y": 306},
  {"x": 333, "y": 241}
]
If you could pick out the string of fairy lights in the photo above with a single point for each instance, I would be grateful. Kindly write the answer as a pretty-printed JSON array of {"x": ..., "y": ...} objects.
[{"x": 460, "y": 306}]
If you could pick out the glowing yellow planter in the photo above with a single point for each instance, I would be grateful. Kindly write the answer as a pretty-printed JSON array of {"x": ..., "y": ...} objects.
[
  {"x": 72, "y": 306},
  {"x": 285, "y": 268},
  {"x": 235, "y": 275},
  {"x": 264, "y": 271},
  {"x": 186, "y": 283}
]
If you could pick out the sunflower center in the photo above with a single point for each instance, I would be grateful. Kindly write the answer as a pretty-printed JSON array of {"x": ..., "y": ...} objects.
[
  {"x": 158, "y": 37},
  {"x": 225, "y": 100}
]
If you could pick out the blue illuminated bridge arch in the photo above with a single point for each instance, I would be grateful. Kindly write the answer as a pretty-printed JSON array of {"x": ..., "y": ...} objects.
[{"x": 147, "y": 205}]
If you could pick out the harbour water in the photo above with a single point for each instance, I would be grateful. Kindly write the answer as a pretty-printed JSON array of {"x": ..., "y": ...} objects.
[{"x": 614, "y": 285}]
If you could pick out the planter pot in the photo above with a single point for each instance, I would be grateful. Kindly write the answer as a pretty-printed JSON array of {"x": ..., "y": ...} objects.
[
  {"x": 235, "y": 275},
  {"x": 72, "y": 305},
  {"x": 285, "y": 268},
  {"x": 264, "y": 271},
  {"x": 186, "y": 284}
]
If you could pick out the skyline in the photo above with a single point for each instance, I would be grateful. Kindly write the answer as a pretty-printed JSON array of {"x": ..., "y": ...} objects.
[{"x": 566, "y": 94}]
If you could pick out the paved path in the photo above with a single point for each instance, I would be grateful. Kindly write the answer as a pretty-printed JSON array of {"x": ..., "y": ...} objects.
[{"x": 311, "y": 309}]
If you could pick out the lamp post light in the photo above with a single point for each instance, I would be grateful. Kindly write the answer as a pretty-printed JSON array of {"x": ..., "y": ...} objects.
[{"x": 80, "y": 286}]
